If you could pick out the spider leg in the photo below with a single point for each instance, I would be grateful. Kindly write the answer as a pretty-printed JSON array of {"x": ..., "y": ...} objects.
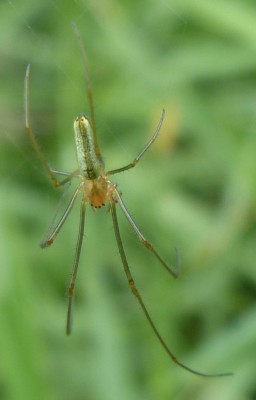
[
  {"x": 148, "y": 144},
  {"x": 138, "y": 296},
  {"x": 35, "y": 144},
  {"x": 64, "y": 173},
  {"x": 143, "y": 240},
  {"x": 88, "y": 82},
  {"x": 50, "y": 239},
  {"x": 75, "y": 268},
  {"x": 31, "y": 134},
  {"x": 69, "y": 176}
]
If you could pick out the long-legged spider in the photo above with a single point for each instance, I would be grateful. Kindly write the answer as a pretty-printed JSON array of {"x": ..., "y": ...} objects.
[{"x": 96, "y": 189}]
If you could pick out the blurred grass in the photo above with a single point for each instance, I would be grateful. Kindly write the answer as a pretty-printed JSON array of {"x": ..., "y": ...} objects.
[{"x": 195, "y": 190}]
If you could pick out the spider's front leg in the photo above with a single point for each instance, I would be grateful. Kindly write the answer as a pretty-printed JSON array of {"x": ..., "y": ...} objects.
[
  {"x": 71, "y": 287},
  {"x": 136, "y": 293}
]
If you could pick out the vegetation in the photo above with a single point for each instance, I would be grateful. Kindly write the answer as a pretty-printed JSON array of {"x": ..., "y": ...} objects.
[{"x": 195, "y": 190}]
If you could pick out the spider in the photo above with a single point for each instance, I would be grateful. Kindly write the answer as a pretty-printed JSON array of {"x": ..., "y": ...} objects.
[{"x": 96, "y": 189}]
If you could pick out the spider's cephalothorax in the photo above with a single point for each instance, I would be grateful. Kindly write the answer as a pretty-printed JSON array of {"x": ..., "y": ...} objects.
[{"x": 98, "y": 191}]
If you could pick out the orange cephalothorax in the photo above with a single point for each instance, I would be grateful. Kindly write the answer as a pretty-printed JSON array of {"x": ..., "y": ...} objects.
[{"x": 98, "y": 192}]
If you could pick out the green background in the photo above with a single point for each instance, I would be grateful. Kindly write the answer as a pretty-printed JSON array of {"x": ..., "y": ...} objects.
[{"x": 195, "y": 190}]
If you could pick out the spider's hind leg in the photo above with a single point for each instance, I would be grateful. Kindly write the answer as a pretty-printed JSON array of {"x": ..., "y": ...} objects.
[{"x": 143, "y": 151}]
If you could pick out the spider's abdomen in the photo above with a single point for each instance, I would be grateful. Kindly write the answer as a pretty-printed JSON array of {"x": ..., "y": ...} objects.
[{"x": 90, "y": 164}]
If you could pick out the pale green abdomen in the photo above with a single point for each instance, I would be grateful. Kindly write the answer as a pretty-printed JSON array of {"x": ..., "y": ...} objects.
[{"x": 90, "y": 164}]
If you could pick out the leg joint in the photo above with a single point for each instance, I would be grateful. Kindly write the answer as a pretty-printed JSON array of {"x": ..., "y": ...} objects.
[
  {"x": 71, "y": 289},
  {"x": 147, "y": 244},
  {"x": 133, "y": 287}
]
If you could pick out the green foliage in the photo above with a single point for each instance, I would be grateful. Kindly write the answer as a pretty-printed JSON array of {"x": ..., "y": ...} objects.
[{"x": 195, "y": 190}]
